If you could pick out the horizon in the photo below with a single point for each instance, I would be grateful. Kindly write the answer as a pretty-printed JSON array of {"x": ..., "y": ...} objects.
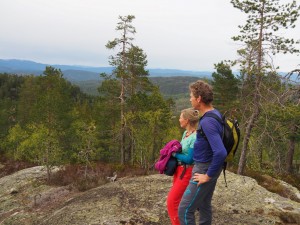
[
  {"x": 84, "y": 66},
  {"x": 236, "y": 72}
]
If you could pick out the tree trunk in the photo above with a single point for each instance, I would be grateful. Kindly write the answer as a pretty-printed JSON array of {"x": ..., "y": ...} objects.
[
  {"x": 153, "y": 153},
  {"x": 256, "y": 98},
  {"x": 260, "y": 152},
  {"x": 250, "y": 125},
  {"x": 132, "y": 149},
  {"x": 122, "y": 141},
  {"x": 290, "y": 154},
  {"x": 48, "y": 173},
  {"x": 122, "y": 98},
  {"x": 252, "y": 120}
]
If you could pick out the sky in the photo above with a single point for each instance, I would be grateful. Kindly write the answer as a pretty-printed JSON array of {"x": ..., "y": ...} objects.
[{"x": 175, "y": 34}]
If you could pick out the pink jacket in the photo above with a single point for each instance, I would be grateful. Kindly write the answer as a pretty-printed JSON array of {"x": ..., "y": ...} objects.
[{"x": 165, "y": 154}]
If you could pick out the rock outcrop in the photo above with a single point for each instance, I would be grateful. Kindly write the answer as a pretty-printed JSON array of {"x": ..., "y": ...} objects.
[{"x": 134, "y": 200}]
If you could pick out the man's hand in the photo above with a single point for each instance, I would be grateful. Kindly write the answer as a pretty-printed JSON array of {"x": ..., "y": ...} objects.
[{"x": 200, "y": 178}]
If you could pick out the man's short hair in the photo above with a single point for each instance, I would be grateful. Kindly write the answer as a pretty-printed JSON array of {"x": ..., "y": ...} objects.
[{"x": 203, "y": 89}]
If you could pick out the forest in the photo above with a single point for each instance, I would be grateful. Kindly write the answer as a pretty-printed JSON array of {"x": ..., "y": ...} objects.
[{"x": 46, "y": 120}]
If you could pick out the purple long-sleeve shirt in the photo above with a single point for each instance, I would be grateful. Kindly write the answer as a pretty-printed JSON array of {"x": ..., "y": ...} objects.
[{"x": 210, "y": 149}]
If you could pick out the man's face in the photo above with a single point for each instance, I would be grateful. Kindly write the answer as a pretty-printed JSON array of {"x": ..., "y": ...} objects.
[{"x": 194, "y": 101}]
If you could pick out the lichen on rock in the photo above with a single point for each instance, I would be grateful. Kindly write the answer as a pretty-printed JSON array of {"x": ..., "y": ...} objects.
[{"x": 134, "y": 200}]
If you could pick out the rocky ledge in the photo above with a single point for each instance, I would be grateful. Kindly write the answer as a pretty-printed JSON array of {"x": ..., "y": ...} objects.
[{"x": 25, "y": 199}]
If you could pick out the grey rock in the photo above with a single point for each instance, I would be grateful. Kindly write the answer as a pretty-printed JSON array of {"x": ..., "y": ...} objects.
[{"x": 135, "y": 200}]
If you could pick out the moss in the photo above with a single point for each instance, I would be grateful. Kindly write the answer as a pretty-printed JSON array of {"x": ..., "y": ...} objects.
[{"x": 273, "y": 185}]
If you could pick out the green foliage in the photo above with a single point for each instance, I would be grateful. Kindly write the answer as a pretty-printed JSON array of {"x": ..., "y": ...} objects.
[
  {"x": 143, "y": 110},
  {"x": 14, "y": 137},
  {"x": 9, "y": 95},
  {"x": 225, "y": 86},
  {"x": 90, "y": 87},
  {"x": 35, "y": 143},
  {"x": 124, "y": 71},
  {"x": 129, "y": 90},
  {"x": 48, "y": 121},
  {"x": 150, "y": 131},
  {"x": 106, "y": 111},
  {"x": 86, "y": 130},
  {"x": 171, "y": 87},
  {"x": 85, "y": 144},
  {"x": 126, "y": 27},
  {"x": 174, "y": 85},
  {"x": 53, "y": 102},
  {"x": 10, "y": 85},
  {"x": 110, "y": 88},
  {"x": 274, "y": 142},
  {"x": 138, "y": 75},
  {"x": 265, "y": 20},
  {"x": 43, "y": 119},
  {"x": 261, "y": 38}
]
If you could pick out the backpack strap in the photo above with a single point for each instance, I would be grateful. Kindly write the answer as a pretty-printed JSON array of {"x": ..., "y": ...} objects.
[
  {"x": 224, "y": 169},
  {"x": 183, "y": 172},
  {"x": 213, "y": 115},
  {"x": 210, "y": 114}
]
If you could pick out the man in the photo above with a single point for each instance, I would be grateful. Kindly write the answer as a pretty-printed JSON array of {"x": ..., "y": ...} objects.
[{"x": 209, "y": 156}]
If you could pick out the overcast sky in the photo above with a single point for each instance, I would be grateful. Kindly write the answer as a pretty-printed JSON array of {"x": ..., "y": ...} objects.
[{"x": 175, "y": 34}]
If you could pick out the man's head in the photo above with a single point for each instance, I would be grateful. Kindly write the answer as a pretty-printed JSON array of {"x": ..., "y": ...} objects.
[{"x": 200, "y": 92}]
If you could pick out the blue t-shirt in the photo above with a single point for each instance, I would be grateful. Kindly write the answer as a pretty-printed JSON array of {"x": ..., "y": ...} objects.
[{"x": 211, "y": 149}]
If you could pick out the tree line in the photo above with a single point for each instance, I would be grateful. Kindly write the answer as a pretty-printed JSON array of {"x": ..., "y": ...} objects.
[{"x": 47, "y": 120}]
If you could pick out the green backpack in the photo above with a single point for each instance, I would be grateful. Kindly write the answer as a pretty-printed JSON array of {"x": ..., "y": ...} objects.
[{"x": 230, "y": 136}]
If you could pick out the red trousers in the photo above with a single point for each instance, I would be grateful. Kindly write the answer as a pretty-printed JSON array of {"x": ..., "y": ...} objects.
[{"x": 176, "y": 192}]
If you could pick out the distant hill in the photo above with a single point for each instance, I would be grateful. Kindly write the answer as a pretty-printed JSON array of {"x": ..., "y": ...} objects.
[
  {"x": 169, "y": 86},
  {"x": 72, "y": 73},
  {"x": 84, "y": 73}
]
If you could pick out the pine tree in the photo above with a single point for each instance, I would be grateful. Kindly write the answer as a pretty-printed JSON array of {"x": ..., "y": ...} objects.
[
  {"x": 260, "y": 35},
  {"x": 225, "y": 86},
  {"x": 130, "y": 76},
  {"x": 120, "y": 62}
]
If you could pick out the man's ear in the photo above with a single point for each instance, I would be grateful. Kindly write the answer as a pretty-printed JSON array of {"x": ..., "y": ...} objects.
[{"x": 199, "y": 99}]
